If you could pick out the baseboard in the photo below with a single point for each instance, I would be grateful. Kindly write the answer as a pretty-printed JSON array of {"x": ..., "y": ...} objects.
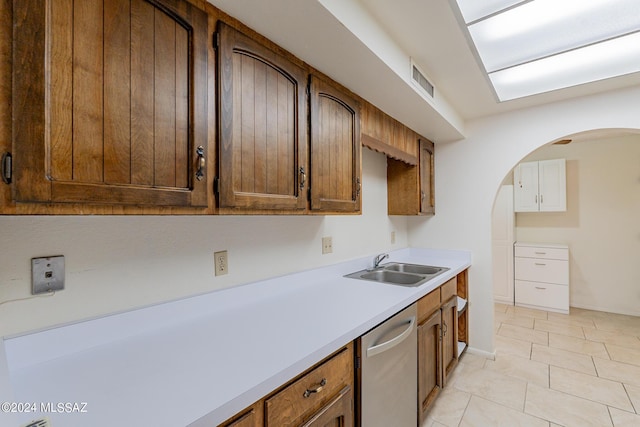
[
  {"x": 482, "y": 353},
  {"x": 605, "y": 309}
]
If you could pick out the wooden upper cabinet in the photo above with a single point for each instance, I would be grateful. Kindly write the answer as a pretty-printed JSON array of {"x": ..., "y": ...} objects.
[
  {"x": 411, "y": 188},
  {"x": 109, "y": 102},
  {"x": 262, "y": 126},
  {"x": 335, "y": 149},
  {"x": 427, "y": 189}
]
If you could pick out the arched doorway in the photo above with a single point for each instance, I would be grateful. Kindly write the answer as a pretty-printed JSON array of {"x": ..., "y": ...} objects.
[{"x": 600, "y": 224}]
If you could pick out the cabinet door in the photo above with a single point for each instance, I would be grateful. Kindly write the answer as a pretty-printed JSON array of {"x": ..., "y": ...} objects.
[
  {"x": 525, "y": 187},
  {"x": 429, "y": 362},
  {"x": 449, "y": 336},
  {"x": 337, "y": 413},
  {"x": 502, "y": 238},
  {"x": 335, "y": 149},
  {"x": 109, "y": 102},
  {"x": 261, "y": 125},
  {"x": 427, "y": 191},
  {"x": 552, "y": 185}
]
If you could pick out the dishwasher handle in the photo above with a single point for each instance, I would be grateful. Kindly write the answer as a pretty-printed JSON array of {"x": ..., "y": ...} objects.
[{"x": 380, "y": 348}]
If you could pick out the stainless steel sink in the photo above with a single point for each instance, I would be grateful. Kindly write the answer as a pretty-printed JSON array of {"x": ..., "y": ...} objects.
[
  {"x": 415, "y": 268},
  {"x": 401, "y": 274},
  {"x": 389, "y": 276}
]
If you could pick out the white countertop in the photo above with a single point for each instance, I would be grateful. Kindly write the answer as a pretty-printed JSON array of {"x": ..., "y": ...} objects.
[{"x": 200, "y": 360}]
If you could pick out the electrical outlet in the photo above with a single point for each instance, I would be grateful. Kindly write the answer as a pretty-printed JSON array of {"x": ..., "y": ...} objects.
[
  {"x": 327, "y": 245},
  {"x": 221, "y": 263},
  {"x": 47, "y": 274},
  {"x": 393, "y": 237}
]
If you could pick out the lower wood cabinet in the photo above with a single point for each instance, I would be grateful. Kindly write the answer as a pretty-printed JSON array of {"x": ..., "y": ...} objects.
[
  {"x": 429, "y": 362},
  {"x": 449, "y": 336},
  {"x": 338, "y": 412},
  {"x": 251, "y": 417},
  {"x": 325, "y": 394},
  {"x": 321, "y": 396},
  {"x": 439, "y": 330}
]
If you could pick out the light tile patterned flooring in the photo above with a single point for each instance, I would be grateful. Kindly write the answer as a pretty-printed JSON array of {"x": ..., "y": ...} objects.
[{"x": 576, "y": 370}]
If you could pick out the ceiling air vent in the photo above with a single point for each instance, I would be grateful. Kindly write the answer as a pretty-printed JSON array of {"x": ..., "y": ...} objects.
[{"x": 420, "y": 80}]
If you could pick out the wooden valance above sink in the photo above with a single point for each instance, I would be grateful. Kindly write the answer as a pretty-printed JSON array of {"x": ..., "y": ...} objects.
[{"x": 384, "y": 134}]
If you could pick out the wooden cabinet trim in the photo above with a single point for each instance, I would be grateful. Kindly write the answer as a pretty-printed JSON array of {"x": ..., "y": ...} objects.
[{"x": 388, "y": 150}]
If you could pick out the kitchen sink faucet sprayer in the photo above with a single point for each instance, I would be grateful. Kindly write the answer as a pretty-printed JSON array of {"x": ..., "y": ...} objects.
[{"x": 378, "y": 259}]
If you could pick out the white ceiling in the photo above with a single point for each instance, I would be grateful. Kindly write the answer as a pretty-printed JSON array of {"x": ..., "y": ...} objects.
[{"x": 427, "y": 30}]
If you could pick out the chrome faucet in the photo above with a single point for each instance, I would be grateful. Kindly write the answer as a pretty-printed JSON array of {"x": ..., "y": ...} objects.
[{"x": 378, "y": 259}]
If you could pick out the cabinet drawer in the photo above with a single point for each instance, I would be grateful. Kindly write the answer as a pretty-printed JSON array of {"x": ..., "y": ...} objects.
[
  {"x": 542, "y": 270},
  {"x": 542, "y": 252},
  {"x": 296, "y": 402},
  {"x": 428, "y": 304},
  {"x": 448, "y": 290},
  {"x": 543, "y": 295}
]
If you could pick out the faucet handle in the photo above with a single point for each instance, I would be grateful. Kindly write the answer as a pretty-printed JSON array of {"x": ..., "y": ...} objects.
[{"x": 379, "y": 258}]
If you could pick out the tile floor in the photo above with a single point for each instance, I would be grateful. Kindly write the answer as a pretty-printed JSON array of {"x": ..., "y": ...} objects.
[{"x": 576, "y": 370}]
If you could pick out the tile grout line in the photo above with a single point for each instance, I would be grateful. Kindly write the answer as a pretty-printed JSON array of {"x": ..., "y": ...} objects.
[{"x": 624, "y": 386}]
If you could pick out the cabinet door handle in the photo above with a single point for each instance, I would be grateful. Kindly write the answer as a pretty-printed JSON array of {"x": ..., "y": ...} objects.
[
  {"x": 317, "y": 389},
  {"x": 422, "y": 195},
  {"x": 536, "y": 197},
  {"x": 201, "y": 163},
  {"x": 303, "y": 178},
  {"x": 541, "y": 198}
]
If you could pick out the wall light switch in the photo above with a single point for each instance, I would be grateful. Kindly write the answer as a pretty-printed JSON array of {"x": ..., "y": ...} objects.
[{"x": 47, "y": 274}]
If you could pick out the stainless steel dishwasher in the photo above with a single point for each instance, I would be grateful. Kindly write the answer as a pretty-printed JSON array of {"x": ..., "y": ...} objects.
[{"x": 389, "y": 372}]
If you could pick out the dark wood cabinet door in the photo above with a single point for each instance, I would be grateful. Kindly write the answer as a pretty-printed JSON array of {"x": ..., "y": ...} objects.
[
  {"x": 429, "y": 363},
  {"x": 335, "y": 149},
  {"x": 337, "y": 413},
  {"x": 427, "y": 191},
  {"x": 449, "y": 336},
  {"x": 109, "y": 102},
  {"x": 262, "y": 126}
]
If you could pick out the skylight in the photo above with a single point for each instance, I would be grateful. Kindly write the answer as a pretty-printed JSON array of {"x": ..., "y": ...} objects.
[{"x": 536, "y": 46}]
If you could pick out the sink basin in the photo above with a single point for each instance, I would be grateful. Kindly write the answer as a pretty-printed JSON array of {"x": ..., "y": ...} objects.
[
  {"x": 398, "y": 273},
  {"x": 414, "y": 268},
  {"x": 389, "y": 276}
]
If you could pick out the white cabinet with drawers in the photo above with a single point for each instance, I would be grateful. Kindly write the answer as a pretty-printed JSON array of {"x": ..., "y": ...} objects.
[{"x": 542, "y": 276}]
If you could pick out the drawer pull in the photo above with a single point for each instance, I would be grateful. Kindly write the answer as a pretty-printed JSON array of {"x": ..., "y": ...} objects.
[
  {"x": 541, "y": 288},
  {"x": 540, "y": 253},
  {"x": 318, "y": 389},
  {"x": 540, "y": 263}
]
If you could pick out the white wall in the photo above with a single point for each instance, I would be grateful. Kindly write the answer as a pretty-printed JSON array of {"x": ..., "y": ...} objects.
[
  {"x": 118, "y": 263},
  {"x": 469, "y": 172},
  {"x": 601, "y": 224}
]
